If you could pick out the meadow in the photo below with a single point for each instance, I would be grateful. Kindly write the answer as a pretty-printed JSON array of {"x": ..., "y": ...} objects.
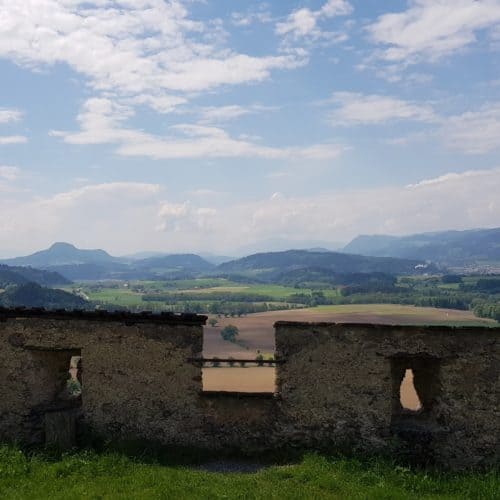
[{"x": 92, "y": 475}]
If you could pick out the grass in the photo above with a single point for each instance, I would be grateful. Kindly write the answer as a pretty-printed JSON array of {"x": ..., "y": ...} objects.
[{"x": 110, "y": 475}]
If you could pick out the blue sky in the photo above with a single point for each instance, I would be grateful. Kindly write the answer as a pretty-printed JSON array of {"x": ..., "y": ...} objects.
[{"x": 216, "y": 126}]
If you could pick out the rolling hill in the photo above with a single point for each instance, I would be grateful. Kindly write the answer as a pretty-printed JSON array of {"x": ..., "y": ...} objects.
[
  {"x": 275, "y": 265},
  {"x": 175, "y": 262},
  {"x": 450, "y": 248}
]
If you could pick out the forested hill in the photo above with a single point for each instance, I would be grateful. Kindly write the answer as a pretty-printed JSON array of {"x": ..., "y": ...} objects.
[
  {"x": 269, "y": 265},
  {"x": 10, "y": 275},
  {"x": 448, "y": 247},
  {"x": 33, "y": 295}
]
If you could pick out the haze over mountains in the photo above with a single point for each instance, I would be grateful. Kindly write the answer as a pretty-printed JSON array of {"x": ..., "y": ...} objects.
[
  {"x": 64, "y": 260},
  {"x": 449, "y": 248},
  {"x": 377, "y": 253}
]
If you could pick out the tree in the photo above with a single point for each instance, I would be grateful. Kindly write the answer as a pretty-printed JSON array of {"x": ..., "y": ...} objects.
[
  {"x": 259, "y": 358},
  {"x": 229, "y": 333},
  {"x": 212, "y": 322}
]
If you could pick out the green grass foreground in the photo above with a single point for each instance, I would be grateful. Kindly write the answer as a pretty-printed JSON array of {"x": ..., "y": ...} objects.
[{"x": 94, "y": 475}]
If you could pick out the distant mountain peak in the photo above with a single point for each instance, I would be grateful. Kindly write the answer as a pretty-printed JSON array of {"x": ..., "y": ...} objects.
[{"x": 60, "y": 245}]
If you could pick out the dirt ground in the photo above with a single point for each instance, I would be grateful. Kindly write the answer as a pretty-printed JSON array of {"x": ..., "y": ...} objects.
[{"x": 257, "y": 334}]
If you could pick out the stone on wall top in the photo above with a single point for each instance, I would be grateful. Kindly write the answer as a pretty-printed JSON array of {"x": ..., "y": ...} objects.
[
  {"x": 493, "y": 330},
  {"x": 103, "y": 315}
]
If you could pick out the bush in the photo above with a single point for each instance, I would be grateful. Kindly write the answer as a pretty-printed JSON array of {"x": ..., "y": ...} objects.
[{"x": 229, "y": 333}]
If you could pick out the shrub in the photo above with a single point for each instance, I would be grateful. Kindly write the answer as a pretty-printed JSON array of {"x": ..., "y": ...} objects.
[{"x": 229, "y": 333}]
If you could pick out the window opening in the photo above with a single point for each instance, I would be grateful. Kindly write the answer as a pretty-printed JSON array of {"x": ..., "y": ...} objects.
[
  {"x": 238, "y": 355},
  {"x": 415, "y": 380},
  {"x": 408, "y": 396},
  {"x": 74, "y": 382}
]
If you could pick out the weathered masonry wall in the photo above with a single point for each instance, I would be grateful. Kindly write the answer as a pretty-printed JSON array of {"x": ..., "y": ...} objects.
[
  {"x": 135, "y": 379},
  {"x": 337, "y": 387},
  {"x": 340, "y": 386}
]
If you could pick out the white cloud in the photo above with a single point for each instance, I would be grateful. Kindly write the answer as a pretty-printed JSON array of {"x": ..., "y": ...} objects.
[
  {"x": 140, "y": 49},
  {"x": 8, "y": 177},
  {"x": 211, "y": 114},
  {"x": 303, "y": 23},
  {"x": 185, "y": 217},
  {"x": 102, "y": 122},
  {"x": 10, "y": 115},
  {"x": 12, "y": 139},
  {"x": 9, "y": 173},
  {"x": 359, "y": 109},
  {"x": 474, "y": 132},
  {"x": 432, "y": 29},
  {"x": 101, "y": 215},
  {"x": 259, "y": 14},
  {"x": 126, "y": 217}
]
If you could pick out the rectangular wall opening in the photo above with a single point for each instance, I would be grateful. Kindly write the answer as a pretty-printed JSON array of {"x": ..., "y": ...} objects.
[
  {"x": 239, "y": 356},
  {"x": 56, "y": 395}
]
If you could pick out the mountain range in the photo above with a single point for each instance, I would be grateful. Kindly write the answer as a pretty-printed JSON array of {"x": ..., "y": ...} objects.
[
  {"x": 474, "y": 247},
  {"x": 425, "y": 252},
  {"x": 76, "y": 264}
]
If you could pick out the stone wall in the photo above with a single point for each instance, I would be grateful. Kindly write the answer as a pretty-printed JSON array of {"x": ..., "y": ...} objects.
[
  {"x": 337, "y": 387},
  {"x": 136, "y": 381}
]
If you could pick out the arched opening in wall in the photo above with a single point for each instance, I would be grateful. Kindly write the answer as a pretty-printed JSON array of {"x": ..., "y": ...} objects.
[
  {"x": 415, "y": 381},
  {"x": 408, "y": 396},
  {"x": 239, "y": 355}
]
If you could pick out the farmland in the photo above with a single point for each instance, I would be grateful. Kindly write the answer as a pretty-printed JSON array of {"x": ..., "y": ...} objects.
[{"x": 256, "y": 335}]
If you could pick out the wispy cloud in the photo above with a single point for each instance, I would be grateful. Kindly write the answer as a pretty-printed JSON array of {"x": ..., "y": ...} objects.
[
  {"x": 474, "y": 132},
  {"x": 12, "y": 139},
  {"x": 213, "y": 114},
  {"x": 373, "y": 109},
  {"x": 259, "y": 14},
  {"x": 430, "y": 30},
  {"x": 9, "y": 173},
  {"x": 303, "y": 23},
  {"x": 10, "y": 115},
  {"x": 102, "y": 121}
]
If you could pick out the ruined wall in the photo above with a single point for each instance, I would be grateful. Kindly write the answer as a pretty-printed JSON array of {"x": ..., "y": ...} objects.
[
  {"x": 136, "y": 381},
  {"x": 339, "y": 386}
]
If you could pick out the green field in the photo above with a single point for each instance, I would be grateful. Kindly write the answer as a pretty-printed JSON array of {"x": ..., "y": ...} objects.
[
  {"x": 114, "y": 476},
  {"x": 130, "y": 294},
  {"x": 219, "y": 296}
]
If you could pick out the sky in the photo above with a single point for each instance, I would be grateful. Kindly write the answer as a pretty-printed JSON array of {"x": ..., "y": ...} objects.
[{"x": 219, "y": 126}]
